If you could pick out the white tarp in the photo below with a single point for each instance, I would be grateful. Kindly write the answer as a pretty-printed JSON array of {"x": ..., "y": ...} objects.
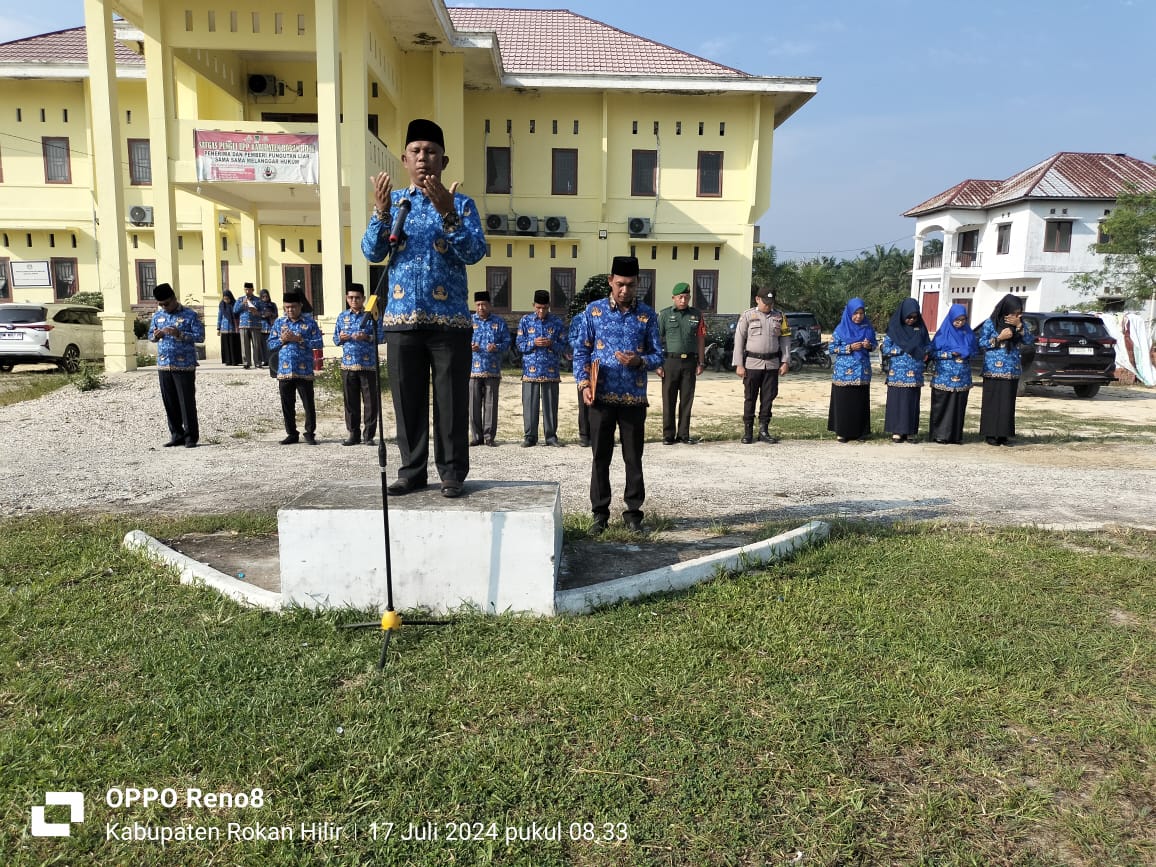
[{"x": 1133, "y": 344}]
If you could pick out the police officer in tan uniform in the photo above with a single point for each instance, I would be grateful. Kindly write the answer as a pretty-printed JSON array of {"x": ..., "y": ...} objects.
[{"x": 762, "y": 344}]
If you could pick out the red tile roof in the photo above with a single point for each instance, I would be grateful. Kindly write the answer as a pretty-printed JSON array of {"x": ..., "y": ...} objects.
[
  {"x": 61, "y": 47},
  {"x": 558, "y": 41},
  {"x": 1062, "y": 176}
]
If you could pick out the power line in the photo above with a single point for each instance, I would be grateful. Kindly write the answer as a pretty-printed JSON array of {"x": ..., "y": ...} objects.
[{"x": 863, "y": 249}]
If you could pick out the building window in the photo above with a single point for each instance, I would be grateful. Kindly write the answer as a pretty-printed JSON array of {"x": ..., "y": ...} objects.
[
  {"x": 498, "y": 285},
  {"x": 645, "y": 290},
  {"x": 564, "y": 172},
  {"x": 1058, "y": 236},
  {"x": 644, "y": 173},
  {"x": 64, "y": 278},
  {"x": 57, "y": 163},
  {"x": 562, "y": 287},
  {"x": 5, "y": 283},
  {"x": 1102, "y": 237},
  {"x": 497, "y": 170},
  {"x": 710, "y": 173},
  {"x": 1003, "y": 239},
  {"x": 146, "y": 279},
  {"x": 706, "y": 291},
  {"x": 140, "y": 167}
]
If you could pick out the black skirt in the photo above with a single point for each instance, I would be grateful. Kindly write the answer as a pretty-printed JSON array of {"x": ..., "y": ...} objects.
[
  {"x": 947, "y": 411},
  {"x": 231, "y": 349},
  {"x": 849, "y": 415},
  {"x": 997, "y": 414},
  {"x": 902, "y": 411}
]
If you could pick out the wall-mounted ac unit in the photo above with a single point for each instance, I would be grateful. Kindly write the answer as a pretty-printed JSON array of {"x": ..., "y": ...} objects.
[
  {"x": 499, "y": 224},
  {"x": 526, "y": 225},
  {"x": 638, "y": 227},
  {"x": 140, "y": 215},
  {"x": 263, "y": 85},
  {"x": 556, "y": 226}
]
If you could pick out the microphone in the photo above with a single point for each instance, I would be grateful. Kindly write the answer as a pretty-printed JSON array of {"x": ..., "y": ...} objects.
[{"x": 396, "y": 232}]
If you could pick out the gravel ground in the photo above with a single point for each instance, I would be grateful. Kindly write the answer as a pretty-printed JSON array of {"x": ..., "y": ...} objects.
[{"x": 101, "y": 451}]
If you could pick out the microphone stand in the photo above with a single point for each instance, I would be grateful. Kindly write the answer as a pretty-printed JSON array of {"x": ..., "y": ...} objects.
[{"x": 391, "y": 621}]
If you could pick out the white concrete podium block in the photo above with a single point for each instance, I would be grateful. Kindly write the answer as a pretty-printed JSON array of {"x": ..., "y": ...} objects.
[{"x": 496, "y": 549}]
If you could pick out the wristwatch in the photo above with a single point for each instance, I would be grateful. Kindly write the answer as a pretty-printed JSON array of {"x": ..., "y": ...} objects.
[{"x": 451, "y": 222}]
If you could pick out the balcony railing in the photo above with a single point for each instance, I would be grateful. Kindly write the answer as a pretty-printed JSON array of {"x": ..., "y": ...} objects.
[
  {"x": 965, "y": 258},
  {"x": 931, "y": 260}
]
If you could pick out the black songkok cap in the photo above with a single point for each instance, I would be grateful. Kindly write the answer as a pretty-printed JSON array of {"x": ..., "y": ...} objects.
[
  {"x": 541, "y": 296},
  {"x": 248, "y": 285},
  {"x": 292, "y": 298},
  {"x": 355, "y": 287},
  {"x": 164, "y": 292},
  {"x": 482, "y": 296},
  {"x": 624, "y": 266},
  {"x": 425, "y": 130}
]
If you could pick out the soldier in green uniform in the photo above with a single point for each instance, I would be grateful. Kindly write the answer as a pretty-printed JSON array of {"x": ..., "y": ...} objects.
[{"x": 682, "y": 332}]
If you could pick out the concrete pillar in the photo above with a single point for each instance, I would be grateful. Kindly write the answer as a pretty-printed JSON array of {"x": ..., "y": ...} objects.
[
  {"x": 211, "y": 252},
  {"x": 329, "y": 145},
  {"x": 162, "y": 116},
  {"x": 355, "y": 108},
  {"x": 111, "y": 259}
]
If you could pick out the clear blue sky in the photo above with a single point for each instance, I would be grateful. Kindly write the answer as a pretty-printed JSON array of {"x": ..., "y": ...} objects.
[{"x": 915, "y": 96}]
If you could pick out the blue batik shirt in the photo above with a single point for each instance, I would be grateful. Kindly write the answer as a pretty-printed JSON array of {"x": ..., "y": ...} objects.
[
  {"x": 179, "y": 351},
  {"x": 541, "y": 363},
  {"x": 485, "y": 364},
  {"x": 226, "y": 318},
  {"x": 1000, "y": 362},
  {"x": 247, "y": 318},
  {"x": 607, "y": 329},
  {"x": 268, "y": 314},
  {"x": 295, "y": 360},
  {"x": 903, "y": 371},
  {"x": 951, "y": 373},
  {"x": 852, "y": 367},
  {"x": 357, "y": 354},
  {"x": 427, "y": 271}
]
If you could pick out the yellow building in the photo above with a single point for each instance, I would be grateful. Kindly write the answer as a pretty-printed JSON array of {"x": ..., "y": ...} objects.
[{"x": 206, "y": 144}]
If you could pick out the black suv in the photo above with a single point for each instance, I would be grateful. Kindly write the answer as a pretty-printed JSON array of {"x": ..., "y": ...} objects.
[
  {"x": 805, "y": 327},
  {"x": 1070, "y": 349}
]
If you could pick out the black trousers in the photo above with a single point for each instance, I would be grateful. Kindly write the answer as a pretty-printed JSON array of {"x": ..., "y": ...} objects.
[
  {"x": 179, "y": 395},
  {"x": 583, "y": 418},
  {"x": 631, "y": 424},
  {"x": 413, "y": 357},
  {"x": 679, "y": 376},
  {"x": 761, "y": 386},
  {"x": 359, "y": 389},
  {"x": 289, "y": 389}
]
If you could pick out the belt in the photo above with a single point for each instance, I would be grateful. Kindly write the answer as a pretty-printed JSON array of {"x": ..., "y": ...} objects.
[
  {"x": 681, "y": 355},
  {"x": 762, "y": 356}
]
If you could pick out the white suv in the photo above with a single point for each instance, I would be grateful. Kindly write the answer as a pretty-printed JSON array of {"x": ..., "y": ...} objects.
[{"x": 60, "y": 334}]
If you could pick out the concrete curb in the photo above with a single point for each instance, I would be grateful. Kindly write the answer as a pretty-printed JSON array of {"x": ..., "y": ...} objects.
[
  {"x": 192, "y": 572},
  {"x": 680, "y": 576}
]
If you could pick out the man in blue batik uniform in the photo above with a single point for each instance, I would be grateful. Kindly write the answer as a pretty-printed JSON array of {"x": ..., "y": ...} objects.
[
  {"x": 295, "y": 336},
  {"x": 621, "y": 338},
  {"x": 573, "y": 336},
  {"x": 357, "y": 332},
  {"x": 491, "y": 339},
  {"x": 427, "y": 320},
  {"x": 248, "y": 310},
  {"x": 176, "y": 330},
  {"x": 541, "y": 340}
]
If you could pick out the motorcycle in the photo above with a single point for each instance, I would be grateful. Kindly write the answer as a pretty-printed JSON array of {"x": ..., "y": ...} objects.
[{"x": 803, "y": 352}]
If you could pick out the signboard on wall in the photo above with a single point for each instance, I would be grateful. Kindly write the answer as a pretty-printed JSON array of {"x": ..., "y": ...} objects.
[
  {"x": 30, "y": 275},
  {"x": 276, "y": 157}
]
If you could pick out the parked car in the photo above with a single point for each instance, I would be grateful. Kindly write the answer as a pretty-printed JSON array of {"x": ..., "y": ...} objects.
[
  {"x": 61, "y": 334},
  {"x": 1070, "y": 349},
  {"x": 805, "y": 328}
]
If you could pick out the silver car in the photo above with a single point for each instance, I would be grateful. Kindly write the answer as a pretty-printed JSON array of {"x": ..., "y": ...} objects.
[{"x": 61, "y": 334}]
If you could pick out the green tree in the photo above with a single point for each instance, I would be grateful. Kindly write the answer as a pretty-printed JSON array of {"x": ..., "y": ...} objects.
[
  {"x": 1129, "y": 269},
  {"x": 598, "y": 286},
  {"x": 782, "y": 277}
]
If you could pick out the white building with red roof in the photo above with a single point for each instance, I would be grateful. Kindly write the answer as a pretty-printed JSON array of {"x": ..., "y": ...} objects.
[{"x": 1026, "y": 235}]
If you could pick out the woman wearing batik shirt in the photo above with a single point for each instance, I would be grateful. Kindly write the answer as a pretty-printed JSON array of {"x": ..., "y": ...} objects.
[
  {"x": 952, "y": 349},
  {"x": 228, "y": 330},
  {"x": 1000, "y": 338},
  {"x": 906, "y": 346},
  {"x": 268, "y": 309},
  {"x": 849, "y": 415}
]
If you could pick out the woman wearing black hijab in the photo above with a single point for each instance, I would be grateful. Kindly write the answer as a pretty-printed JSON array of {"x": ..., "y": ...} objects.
[
  {"x": 227, "y": 328},
  {"x": 1000, "y": 338},
  {"x": 906, "y": 346}
]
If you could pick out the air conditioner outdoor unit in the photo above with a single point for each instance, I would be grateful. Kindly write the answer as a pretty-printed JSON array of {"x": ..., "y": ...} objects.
[
  {"x": 556, "y": 226},
  {"x": 638, "y": 227},
  {"x": 526, "y": 225},
  {"x": 263, "y": 85},
  {"x": 140, "y": 215},
  {"x": 498, "y": 224}
]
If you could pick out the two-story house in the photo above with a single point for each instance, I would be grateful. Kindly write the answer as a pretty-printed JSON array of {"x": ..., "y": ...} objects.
[
  {"x": 205, "y": 145},
  {"x": 1026, "y": 235}
]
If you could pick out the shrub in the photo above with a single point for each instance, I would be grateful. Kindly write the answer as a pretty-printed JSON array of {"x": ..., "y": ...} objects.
[
  {"x": 92, "y": 299},
  {"x": 143, "y": 359},
  {"x": 88, "y": 377},
  {"x": 140, "y": 327}
]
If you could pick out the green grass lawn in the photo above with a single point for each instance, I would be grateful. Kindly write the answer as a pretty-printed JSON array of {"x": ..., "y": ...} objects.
[{"x": 902, "y": 695}]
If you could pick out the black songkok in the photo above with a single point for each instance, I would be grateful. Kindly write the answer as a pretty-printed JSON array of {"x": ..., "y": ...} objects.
[
  {"x": 425, "y": 130},
  {"x": 164, "y": 292},
  {"x": 624, "y": 266}
]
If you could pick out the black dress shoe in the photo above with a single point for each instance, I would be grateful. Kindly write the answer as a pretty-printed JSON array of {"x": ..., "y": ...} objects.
[
  {"x": 190, "y": 444},
  {"x": 290, "y": 440},
  {"x": 175, "y": 441},
  {"x": 475, "y": 443},
  {"x": 553, "y": 441},
  {"x": 584, "y": 442},
  {"x": 310, "y": 440},
  {"x": 246, "y": 366},
  {"x": 351, "y": 442},
  {"x": 599, "y": 525},
  {"x": 490, "y": 442},
  {"x": 634, "y": 524},
  {"x": 406, "y": 486},
  {"x": 667, "y": 441},
  {"x": 371, "y": 442},
  {"x": 527, "y": 442},
  {"x": 451, "y": 489}
]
